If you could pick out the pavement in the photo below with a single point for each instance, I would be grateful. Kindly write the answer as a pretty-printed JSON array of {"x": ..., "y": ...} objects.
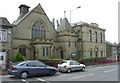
[{"x": 4, "y": 71}]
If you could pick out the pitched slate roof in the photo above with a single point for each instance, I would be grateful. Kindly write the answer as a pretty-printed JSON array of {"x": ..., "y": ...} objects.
[
  {"x": 5, "y": 22},
  {"x": 37, "y": 9},
  {"x": 64, "y": 25}
]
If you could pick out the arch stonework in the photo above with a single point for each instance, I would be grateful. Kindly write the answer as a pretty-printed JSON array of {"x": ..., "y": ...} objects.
[{"x": 38, "y": 19}]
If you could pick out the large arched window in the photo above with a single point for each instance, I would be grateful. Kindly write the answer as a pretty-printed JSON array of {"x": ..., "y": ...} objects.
[{"x": 38, "y": 30}]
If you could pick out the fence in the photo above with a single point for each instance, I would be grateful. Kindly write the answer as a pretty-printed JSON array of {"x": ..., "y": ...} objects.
[{"x": 97, "y": 62}]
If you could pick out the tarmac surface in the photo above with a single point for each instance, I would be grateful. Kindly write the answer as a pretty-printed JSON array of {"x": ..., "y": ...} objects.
[{"x": 4, "y": 71}]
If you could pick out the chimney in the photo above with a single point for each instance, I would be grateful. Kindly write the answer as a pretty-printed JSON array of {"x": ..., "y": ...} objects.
[
  {"x": 24, "y": 9},
  {"x": 53, "y": 22}
]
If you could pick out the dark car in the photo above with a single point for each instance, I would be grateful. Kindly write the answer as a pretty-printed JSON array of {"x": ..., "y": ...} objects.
[{"x": 31, "y": 68}]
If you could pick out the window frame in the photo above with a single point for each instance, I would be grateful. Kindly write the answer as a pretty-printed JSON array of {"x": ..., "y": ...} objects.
[
  {"x": 3, "y": 35},
  {"x": 90, "y": 35},
  {"x": 38, "y": 30}
]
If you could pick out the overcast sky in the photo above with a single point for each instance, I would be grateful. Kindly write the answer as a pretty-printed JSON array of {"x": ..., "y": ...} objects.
[{"x": 102, "y": 12}]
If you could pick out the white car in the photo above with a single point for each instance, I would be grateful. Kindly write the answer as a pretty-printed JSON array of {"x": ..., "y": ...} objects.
[{"x": 70, "y": 65}]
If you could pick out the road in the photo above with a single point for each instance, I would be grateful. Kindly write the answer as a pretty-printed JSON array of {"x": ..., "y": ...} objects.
[{"x": 100, "y": 73}]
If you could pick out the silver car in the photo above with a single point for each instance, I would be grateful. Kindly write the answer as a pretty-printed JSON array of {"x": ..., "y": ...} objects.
[{"x": 70, "y": 65}]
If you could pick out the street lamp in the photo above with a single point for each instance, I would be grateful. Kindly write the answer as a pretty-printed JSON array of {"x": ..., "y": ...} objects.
[
  {"x": 71, "y": 27},
  {"x": 72, "y": 10}
]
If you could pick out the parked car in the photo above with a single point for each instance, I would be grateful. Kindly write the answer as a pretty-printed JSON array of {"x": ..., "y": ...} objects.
[
  {"x": 70, "y": 65},
  {"x": 31, "y": 68}
]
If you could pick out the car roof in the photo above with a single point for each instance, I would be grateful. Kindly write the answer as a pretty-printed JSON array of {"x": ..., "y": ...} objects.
[
  {"x": 68, "y": 60},
  {"x": 30, "y": 61}
]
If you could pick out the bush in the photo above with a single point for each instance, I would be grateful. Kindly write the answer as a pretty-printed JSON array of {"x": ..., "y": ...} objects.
[
  {"x": 56, "y": 59},
  {"x": 44, "y": 59},
  {"x": 101, "y": 58},
  {"x": 18, "y": 57},
  {"x": 89, "y": 61},
  {"x": 13, "y": 59}
]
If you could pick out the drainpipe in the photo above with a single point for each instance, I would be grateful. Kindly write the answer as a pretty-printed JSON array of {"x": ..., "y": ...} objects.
[{"x": 81, "y": 42}]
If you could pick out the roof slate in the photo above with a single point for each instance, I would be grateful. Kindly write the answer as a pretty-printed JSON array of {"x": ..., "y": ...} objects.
[
  {"x": 64, "y": 25},
  {"x": 4, "y": 22},
  {"x": 37, "y": 9}
]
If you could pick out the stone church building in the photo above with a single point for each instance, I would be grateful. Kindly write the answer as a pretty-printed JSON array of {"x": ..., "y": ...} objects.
[{"x": 35, "y": 36}]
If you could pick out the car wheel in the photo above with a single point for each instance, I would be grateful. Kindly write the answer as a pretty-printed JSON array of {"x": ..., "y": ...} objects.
[
  {"x": 24, "y": 75},
  {"x": 83, "y": 68},
  {"x": 51, "y": 73},
  {"x": 68, "y": 70}
]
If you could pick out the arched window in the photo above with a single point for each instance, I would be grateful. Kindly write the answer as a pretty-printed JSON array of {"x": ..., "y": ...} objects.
[
  {"x": 90, "y": 35},
  {"x": 22, "y": 50},
  {"x": 101, "y": 37},
  {"x": 79, "y": 35},
  {"x": 33, "y": 33},
  {"x": 96, "y": 37},
  {"x": 38, "y": 30},
  {"x": 96, "y": 52}
]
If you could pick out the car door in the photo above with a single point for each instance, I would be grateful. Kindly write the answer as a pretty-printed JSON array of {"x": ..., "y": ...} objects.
[
  {"x": 72, "y": 65},
  {"x": 42, "y": 68},
  {"x": 31, "y": 68},
  {"x": 77, "y": 66}
]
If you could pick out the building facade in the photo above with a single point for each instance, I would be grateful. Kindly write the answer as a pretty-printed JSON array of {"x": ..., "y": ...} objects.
[
  {"x": 5, "y": 41},
  {"x": 35, "y": 37},
  {"x": 112, "y": 51},
  {"x": 91, "y": 40}
]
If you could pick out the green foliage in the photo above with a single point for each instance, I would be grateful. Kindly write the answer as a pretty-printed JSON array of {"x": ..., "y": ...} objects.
[
  {"x": 93, "y": 59},
  {"x": 56, "y": 59},
  {"x": 18, "y": 57},
  {"x": 44, "y": 59},
  {"x": 13, "y": 59},
  {"x": 101, "y": 58},
  {"x": 89, "y": 61}
]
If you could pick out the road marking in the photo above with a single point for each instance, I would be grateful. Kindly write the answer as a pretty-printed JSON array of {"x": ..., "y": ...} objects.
[
  {"x": 82, "y": 76},
  {"x": 25, "y": 81},
  {"x": 109, "y": 70},
  {"x": 42, "y": 80},
  {"x": 103, "y": 67},
  {"x": 90, "y": 74}
]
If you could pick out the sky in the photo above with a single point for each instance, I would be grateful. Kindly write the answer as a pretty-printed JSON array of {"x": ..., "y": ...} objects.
[{"x": 102, "y": 12}]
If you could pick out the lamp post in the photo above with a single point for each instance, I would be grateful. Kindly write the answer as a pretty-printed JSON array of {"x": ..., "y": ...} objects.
[{"x": 71, "y": 27}]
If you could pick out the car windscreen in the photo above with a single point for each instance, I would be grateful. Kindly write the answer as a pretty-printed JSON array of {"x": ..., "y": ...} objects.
[{"x": 63, "y": 62}]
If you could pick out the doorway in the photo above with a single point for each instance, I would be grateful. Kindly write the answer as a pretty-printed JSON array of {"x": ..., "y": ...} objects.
[{"x": 61, "y": 54}]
